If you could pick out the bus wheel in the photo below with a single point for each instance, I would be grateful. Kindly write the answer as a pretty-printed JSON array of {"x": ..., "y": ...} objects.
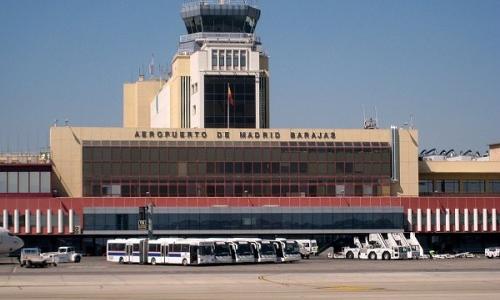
[
  {"x": 372, "y": 256},
  {"x": 386, "y": 256},
  {"x": 350, "y": 255},
  {"x": 120, "y": 260},
  {"x": 184, "y": 262},
  {"x": 153, "y": 261}
]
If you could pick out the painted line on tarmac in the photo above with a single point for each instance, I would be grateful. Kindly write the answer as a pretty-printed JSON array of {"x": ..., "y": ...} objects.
[{"x": 332, "y": 288}]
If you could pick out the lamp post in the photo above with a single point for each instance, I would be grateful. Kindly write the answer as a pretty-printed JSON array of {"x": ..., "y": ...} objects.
[{"x": 149, "y": 212}]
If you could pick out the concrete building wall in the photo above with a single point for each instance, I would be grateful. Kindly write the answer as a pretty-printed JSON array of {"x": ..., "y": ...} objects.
[
  {"x": 137, "y": 97},
  {"x": 160, "y": 108}
]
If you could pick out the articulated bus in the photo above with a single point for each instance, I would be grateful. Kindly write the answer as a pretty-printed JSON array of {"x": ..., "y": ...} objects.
[
  {"x": 191, "y": 252},
  {"x": 125, "y": 250},
  {"x": 115, "y": 250},
  {"x": 158, "y": 250}
]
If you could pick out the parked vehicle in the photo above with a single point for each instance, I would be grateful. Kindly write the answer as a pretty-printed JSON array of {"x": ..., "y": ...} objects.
[
  {"x": 492, "y": 252},
  {"x": 287, "y": 250},
  {"x": 32, "y": 257},
  {"x": 307, "y": 248},
  {"x": 65, "y": 254},
  {"x": 384, "y": 246}
]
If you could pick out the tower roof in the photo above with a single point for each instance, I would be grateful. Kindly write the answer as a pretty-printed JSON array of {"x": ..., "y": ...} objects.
[{"x": 239, "y": 16}]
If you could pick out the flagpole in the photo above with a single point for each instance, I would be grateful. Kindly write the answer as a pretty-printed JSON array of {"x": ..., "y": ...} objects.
[{"x": 227, "y": 103}]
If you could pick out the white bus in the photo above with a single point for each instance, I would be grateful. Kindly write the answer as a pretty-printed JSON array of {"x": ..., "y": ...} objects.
[
  {"x": 191, "y": 252},
  {"x": 222, "y": 251},
  {"x": 158, "y": 250},
  {"x": 287, "y": 250},
  {"x": 242, "y": 250},
  {"x": 265, "y": 250},
  {"x": 124, "y": 250},
  {"x": 115, "y": 250}
]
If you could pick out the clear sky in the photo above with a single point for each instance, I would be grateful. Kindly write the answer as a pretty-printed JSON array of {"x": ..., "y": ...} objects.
[{"x": 436, "y": 60}]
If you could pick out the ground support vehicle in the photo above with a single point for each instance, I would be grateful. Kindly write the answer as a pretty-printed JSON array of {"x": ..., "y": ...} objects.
[
  {"x": 307, "y": 248},
  {"x": 32, "y": 257},
  {"x": 65, "y": 254},
  {"x": 492, "y": 252}
]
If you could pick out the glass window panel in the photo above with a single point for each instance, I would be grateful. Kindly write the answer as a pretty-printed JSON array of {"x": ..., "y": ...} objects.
[
  {"x": 12, "y": 182},
  {"x": 473, "y": 186},
  {"x": 23, "y": 182},
  {"x": 494, "y": 186},
  {"x": 45, "y": 182},
  {"x": 3, "y": 182},
  {"x": 236, "y": 58},
  {"x": 214, "y": 58}
]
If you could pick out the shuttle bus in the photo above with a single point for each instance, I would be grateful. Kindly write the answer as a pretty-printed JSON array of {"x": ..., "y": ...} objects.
[
  {"x": 264, "y": 250},
  {"x": 242, "y": 250},
  {"x": 287, "y": 250},
  {"x": 115, "y": 250},
  {"x": 222, "y": 251}
]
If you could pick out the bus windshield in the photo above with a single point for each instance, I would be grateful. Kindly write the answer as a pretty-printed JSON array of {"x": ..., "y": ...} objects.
[
  {"x": 221, "y": 250},
  {"x": 292, "y": 248},
  {"x": 244, "y": 249},
  {"x": 205, "y": 250},
  {"x": 267, "y": 249}
]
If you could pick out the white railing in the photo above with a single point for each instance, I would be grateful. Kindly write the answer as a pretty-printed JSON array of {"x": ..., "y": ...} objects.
[{"x": 219, "y": 36}]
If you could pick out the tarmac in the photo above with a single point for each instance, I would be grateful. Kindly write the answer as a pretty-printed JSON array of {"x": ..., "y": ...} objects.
[{"x": 317, "y": 278}]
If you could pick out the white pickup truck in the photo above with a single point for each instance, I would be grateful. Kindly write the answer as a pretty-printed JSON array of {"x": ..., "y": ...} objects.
[
  {"x": 492, "y": 252},
  {"x": 65, "y": 254}
]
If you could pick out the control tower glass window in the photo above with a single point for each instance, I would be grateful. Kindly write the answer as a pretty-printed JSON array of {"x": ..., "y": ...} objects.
[
  {"x": 229, "y": 58},
  {"x": 221, "y": 58},
  {"x": 241, "y": 112},
  {"x": 214, "y": 58},
  {"x": 236, "y": 58},
  {"x": 243, "y": 59}
]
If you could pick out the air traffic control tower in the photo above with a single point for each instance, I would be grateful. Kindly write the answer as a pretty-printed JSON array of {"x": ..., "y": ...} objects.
[{"x": 220, "y": 74}]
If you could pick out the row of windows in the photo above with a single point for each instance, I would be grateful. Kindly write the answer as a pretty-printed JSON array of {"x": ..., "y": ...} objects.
[
  {"x": 459, "y": 186},
  {"x": 245, "y": 221},
  {"x": 237, "y": 189},
  {"x": 181, "y": 169},
  {"x": 24, "y": 182},
  {"x": 175, "y": 154},
  {"x": 229, "y": 59}
]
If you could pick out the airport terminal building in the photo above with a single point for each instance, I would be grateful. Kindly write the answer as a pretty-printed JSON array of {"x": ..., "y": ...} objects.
[{"x": 197, "y": 149}]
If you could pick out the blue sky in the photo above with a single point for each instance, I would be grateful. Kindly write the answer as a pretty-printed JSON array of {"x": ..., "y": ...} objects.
[{"x": 436, "y": 60}]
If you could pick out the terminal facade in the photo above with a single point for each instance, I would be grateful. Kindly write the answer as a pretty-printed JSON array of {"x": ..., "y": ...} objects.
[{"x": 197, "y": 147}]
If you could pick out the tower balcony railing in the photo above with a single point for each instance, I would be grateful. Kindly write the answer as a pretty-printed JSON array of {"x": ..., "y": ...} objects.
[
  {"x": 188, "y": 4},
  {"x": 220, "y": 36}
]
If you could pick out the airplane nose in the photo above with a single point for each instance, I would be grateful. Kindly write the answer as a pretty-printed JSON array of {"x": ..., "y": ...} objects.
[{"x": 20, "y": 243}]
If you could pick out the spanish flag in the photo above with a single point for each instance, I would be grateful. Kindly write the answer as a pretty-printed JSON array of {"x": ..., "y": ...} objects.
[{"x": 230, "y": 98}]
